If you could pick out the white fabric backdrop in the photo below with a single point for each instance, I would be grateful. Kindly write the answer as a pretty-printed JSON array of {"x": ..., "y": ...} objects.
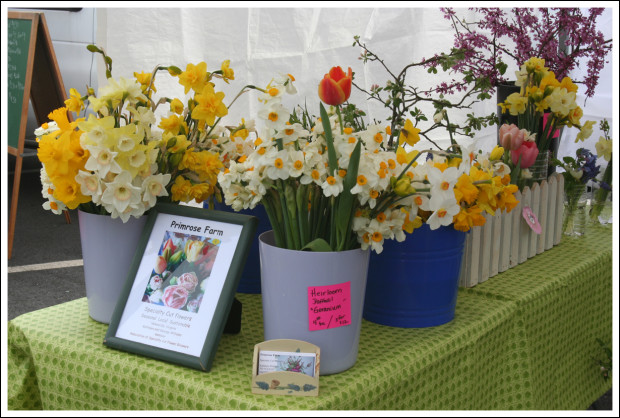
[{"x": 305, "y": 42}]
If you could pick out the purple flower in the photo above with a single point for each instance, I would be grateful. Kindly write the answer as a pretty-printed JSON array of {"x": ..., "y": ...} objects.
[{"x": 563, "y": 37}]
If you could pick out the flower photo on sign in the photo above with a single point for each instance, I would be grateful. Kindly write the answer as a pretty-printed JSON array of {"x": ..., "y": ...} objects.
[{"x": 183, "y": 265}]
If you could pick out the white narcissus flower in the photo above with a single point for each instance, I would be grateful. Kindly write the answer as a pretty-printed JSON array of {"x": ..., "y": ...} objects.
[
  {"x": 154, "y": 186},
  {"x": 120, "y": 194},
  {"x": 51, "y": 127},
  {"x": 278, "y": 167},
  {"x": 142, "y": 115},
  {"x": 275, "y": 116},
  {"x": 373, "y": 137},
  {"x": 90, "y": 185},
  {"x": 297, "y": 163},
  {"x": 444, "y": 209},
  {"x": 442, "y": 183},
  {"x": 332, "y": 186},
  {"x": 102, "y": 161},
  {"x": 287, "y": 80},
  {"x": 291, "y": 133}
]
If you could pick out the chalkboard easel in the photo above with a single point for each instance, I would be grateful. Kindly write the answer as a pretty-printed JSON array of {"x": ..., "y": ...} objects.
[{"x": 33, "y": 76}]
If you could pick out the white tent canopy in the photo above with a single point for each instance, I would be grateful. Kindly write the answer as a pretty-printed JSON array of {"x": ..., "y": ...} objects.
[{"x": 306, "y": 42}]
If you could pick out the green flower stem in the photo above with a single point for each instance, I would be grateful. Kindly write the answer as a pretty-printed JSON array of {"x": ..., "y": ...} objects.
[
  {"x": 332, "y": 223},
  {"x": 340, "y": 119},
  {"x": 573, "y": 193},
  {"x": 291, "y": 205},
  {"x": 302, "y": 209},
  {"x": 274, "y": 220}
]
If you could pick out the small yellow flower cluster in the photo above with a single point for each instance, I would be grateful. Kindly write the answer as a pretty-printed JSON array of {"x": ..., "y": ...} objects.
[
  {"x": 116, "y": 162},
  {"x": 541, "y": 93}
]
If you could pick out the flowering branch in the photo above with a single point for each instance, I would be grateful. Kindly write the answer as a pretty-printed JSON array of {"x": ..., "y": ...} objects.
[
  {"x": 561, "y": 36},
  {"x": 402, "y": 98}
]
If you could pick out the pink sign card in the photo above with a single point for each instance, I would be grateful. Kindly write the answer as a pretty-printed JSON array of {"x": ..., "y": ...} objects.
[
  {"x": 329, "y": 306},
  {"x": 532, "y": 220}
]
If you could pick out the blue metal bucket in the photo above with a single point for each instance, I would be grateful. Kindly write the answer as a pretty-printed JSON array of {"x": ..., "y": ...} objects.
[
  {"x": 414, "y": 284},
  {"x": 250, "y": 278}
]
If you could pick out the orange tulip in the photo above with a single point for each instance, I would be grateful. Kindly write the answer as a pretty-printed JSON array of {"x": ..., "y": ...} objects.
[{"x": 335, "y": 87}]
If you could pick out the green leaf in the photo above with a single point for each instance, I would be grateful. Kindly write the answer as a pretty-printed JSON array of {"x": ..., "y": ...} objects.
[
  {"x": 263, "y": 385},
  {"x": 318, "y": 245},
  {"x": 331, "y": 151},
  {"x": 93, "y": 48},
  {"x": 107, "y": 60}
]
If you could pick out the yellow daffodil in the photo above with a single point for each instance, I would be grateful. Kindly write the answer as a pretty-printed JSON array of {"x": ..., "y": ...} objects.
[
  {"x": 180, "y": 189},
  {"x": 574, "y": 116},
  {"x": 209, "y": 105},
  {"x": 227, "y": 72},
  {"x": 409, "y": 225},
  {"x": 145, "y": 81},
  {"x": 55, "y": 154},
  {"x": 68, "y": 191},
  {"x": 534, "y": 64},
  {"x": 585, "y": 132},
  {"x": 516, "y": 104},
  {"x": 506, "y": 198},
  {"x": 404, "y": 157},
  {"x": 465, "y": 190},
  {"x": 74, "y": 103},
  {"x": 194, "y": 77},
  {"x": 548, "y": 81},
  {"x": 468, "y": 218},
  {"x": 604, "y": 148},
  {"x": 171, "y": 124},
  {"x": 568, "y": 84},
  {"x": 176, "y": 106},
  {"x": 409, "y": 134}
]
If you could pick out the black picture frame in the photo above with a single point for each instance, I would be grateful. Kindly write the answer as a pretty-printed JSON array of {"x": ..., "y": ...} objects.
[{"x": 142, "y": 325}]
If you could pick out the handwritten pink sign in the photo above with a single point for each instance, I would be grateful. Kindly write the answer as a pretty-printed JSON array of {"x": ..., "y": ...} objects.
[{"x": 329, "y": 306}]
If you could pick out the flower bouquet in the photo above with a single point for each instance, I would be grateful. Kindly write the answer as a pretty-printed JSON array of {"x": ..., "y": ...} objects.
[
  {"x": 577, "y": 173},
  {"x": 116, "y": 162},
  {"x": 327, "y": 186},
  {"x": 602, "y": 194},
  {"x": 543, "y": 106},
  {"x": 122, "y": 159}
]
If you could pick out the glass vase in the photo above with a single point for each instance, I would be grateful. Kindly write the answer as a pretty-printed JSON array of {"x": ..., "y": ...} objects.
[
  {"x": 540, "y": 168},
  {"x": 601, "y": 206},
  {"x": 575, "y": 200}
]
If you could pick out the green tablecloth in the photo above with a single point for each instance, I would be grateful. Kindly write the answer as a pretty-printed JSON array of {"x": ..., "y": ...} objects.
[{"x": 525, "y": 339}]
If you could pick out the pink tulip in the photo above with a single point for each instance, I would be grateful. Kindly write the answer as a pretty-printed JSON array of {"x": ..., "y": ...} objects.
[
  {"x": 510, "y": 136},
  {"x": 528, "y": 151},
  {"x": 160, "y": 265}
]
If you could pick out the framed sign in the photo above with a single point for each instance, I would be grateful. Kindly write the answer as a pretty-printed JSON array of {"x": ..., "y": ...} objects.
[{"x": 181, "y": 284}]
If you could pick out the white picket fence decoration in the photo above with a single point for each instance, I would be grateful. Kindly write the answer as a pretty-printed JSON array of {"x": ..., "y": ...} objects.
[{"x": 506, "y": 240}]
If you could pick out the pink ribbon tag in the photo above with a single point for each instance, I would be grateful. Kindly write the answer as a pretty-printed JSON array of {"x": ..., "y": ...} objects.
[{"x": 531, "y": 220}]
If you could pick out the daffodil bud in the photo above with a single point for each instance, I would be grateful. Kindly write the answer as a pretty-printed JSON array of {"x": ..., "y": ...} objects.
[
  {"x": 175, "y": 159},
  {"x": 402, "y": 187},
  {"x": 497, "y": 153}
]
